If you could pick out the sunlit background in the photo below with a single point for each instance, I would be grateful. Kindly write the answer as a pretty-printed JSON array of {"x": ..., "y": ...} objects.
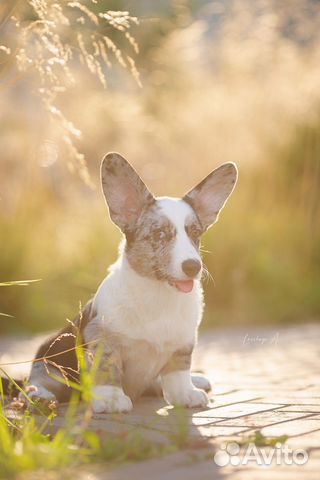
[{"x": 185, "y": 87}]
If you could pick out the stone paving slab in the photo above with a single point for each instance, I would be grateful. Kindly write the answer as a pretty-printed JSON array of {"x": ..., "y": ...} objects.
[
  {"x": 179, "y": 466},
  {"x": 237, "y": 410},
  {"x": 310, "y": 441},
  {"x": 292, "y": 428},
  {"x": 230, "y": 398},
  {"x": 266, "y": 380},
  {"x": 293, "y": 400},
  {"x": 214, "y": 431},
  {"x": 302, "y": 408},
  {"x": 264, "y": 419}
]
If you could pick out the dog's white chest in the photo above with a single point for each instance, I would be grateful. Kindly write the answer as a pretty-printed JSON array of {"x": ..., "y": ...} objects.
[{"x": 149, "y": 311}]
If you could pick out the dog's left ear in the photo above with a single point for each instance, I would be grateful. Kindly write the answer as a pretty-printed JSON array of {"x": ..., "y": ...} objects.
[
  {"x": 125, "y": 193},
  {"x": 210, "y": 195}
]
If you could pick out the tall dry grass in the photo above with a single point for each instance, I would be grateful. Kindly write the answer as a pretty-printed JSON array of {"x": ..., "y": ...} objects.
[
  {"x": 44, "y": 39},
  {"x": 222, "y": 81}
]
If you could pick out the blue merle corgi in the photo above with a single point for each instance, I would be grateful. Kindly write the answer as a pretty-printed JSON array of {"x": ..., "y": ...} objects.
[{"x": 145, "y": 315}]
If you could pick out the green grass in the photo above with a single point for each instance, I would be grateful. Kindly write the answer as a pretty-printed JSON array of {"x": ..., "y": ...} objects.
[
  {"x": 20, "y": 283},
  {"x": 262, "y": 441},
  {"x": 26, "y": 445}
]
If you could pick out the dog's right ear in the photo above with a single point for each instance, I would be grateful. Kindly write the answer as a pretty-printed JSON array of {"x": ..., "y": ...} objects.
[{"x": 125, "y": 193}]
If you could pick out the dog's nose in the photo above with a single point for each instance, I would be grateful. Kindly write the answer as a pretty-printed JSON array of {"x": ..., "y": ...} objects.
[{"x": 191, "y": 267}]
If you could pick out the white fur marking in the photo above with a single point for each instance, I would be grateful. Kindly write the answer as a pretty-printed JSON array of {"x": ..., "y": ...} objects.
[
  {"x": 177, "y": 211},
  {"x": 179, "y": 390},
  {"x": 110, "y": 399}
]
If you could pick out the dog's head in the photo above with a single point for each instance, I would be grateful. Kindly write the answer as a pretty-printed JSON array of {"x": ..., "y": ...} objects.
[{"x": 163, "y": 234}]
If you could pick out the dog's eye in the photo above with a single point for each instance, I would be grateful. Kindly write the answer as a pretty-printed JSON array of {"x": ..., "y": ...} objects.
[{"x": 194, "y": 233}]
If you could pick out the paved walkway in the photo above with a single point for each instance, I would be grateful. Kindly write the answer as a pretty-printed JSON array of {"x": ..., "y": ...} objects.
[{"x": 263, "y": 380}]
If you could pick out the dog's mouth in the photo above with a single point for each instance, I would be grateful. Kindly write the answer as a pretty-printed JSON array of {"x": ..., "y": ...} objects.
[{"x": 184, "y": 286}]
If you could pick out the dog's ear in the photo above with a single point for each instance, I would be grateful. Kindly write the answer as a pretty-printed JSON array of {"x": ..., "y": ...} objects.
[
  {"x": 125, "y": 193},
  {"x": 210, "y": 195}
]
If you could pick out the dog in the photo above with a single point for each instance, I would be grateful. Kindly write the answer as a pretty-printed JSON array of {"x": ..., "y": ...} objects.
[{"x": 144, "y": 318}]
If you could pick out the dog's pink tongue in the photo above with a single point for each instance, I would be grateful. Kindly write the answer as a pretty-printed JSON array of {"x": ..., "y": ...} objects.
[{"x": 185, "y": 286}]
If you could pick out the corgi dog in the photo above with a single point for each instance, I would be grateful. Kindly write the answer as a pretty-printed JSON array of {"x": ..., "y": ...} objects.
[{"x": 144, "y": 318}]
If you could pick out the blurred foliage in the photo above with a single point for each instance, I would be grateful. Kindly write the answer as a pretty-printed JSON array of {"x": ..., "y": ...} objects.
[
  {"x": 221, "y": 81},
  {"x": 43, "y": 39}
]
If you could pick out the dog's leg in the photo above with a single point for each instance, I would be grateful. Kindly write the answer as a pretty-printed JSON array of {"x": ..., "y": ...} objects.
[
  {"x": 108, "y": 394},
  {"x": 176, "y": 381},
  {"x": 104, "y": 353},
  {"x": 43, "y": 388},
  {"x": 55, "y": 360}
]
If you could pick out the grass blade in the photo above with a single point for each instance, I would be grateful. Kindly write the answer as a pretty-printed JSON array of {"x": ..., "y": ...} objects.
[
  {"x": 20, "y": 283},
  {"x": 6, "y": 315}
]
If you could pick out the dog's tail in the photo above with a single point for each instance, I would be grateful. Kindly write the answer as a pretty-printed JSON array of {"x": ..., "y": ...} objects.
[{"x": 9, "y": 387}]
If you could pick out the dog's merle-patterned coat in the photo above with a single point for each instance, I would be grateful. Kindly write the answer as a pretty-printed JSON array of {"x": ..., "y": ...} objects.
[{"x": 142, "y": 322}]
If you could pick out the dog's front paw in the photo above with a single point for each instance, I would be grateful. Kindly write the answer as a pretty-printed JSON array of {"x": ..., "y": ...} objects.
[
  {"x": 200, "y": 381},
  {"x": 110, "y": 399},
  {"x": 178, "y": 390},
  {"x": 197, "y": 398},
  {"x": 40, "y": 398},
  {"x": 191, "y": 398}
]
